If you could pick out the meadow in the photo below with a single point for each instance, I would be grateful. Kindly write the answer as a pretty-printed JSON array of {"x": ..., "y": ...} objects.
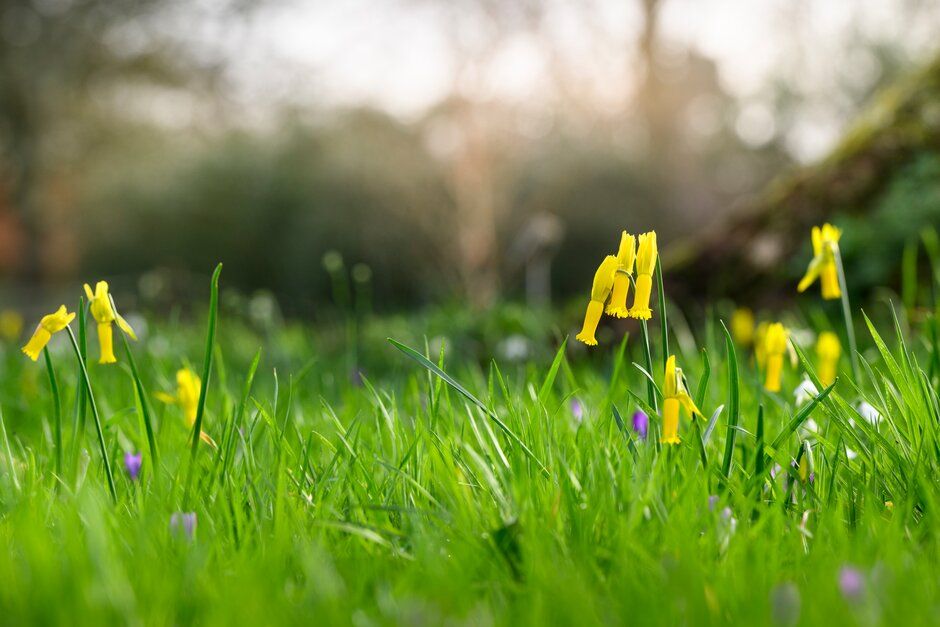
[{"x": 459, "y": 467}]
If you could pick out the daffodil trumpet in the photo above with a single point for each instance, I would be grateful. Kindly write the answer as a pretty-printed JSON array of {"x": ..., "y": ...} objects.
[
  {"x": 645, "y": 265},
  {"x": 600, "y": 292},
  {"x": 626, "y": 255},
  {"x": 102, "y": 310},
  {"x": 675, "y": 395},
  {"x": 823, "y": 264},
  {"x": 188, "y": 386},
  {"x": 48, "y": 326},
  {"x": 775, "y": 346}
]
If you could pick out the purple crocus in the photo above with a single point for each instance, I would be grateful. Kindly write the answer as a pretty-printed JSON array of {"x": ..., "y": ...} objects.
[
  {"x": 785, "y": 604},
  {"x": 184, "y": 522},
  {"x": 851, "y": 583},
  {"x": 577, "y": 409},
  {"x": 132, "y": 464},
  {"x": 641, "y": 424}
]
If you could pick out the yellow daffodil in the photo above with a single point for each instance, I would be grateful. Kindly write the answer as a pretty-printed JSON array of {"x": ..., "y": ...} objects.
[
  {"x": 775, "y": 345},
  {"x": 742, "y": 326},
  {"x": 823, "y": 264},
  {"x": 625, "y": 258},
  {"x": 188, "y": 386},
  {"x": 104, "y": 314},
  {"x": 600, "y": 291},
  {"x": 760, "y": 337},
  {"x": 828, "y": 351},
  {"x": 645, "y": 264},
  {"x": 11, "y": 325},
  {"x": 675, "y": 395},
  {"x": 48, "y": 326}
]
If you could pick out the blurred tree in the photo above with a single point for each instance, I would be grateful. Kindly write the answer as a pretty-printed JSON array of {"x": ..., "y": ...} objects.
[
  {"x": 880, "y": 183},
  {"x": 55, "y": 57}
]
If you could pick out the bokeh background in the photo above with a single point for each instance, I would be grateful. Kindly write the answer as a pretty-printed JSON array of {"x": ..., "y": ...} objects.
[{"x": 458, "y": 150}]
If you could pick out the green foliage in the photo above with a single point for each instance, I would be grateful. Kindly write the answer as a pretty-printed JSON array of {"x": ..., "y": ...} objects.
[{"x": 456, "y": 484}]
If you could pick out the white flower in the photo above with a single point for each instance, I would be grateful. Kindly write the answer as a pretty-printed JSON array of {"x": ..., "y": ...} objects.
[
  {"x": 514, "y": 348},
  {"x": 808, "y": 429},
  {"x": 805, "y": 392},
  {"x": 850, "y": 454},
  {"x": 869, "y": 413}
]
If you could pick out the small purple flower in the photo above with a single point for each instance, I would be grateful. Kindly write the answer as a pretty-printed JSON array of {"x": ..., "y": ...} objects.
[
  {"x": 785, "y": 604},
  {"x": 185, "y": 522},
  {"x": 641, "y": 424},
  {"x": 851, "y": 582},
  {"x": 132, "y": 464},
  {"x": 355, "y": 377},
  {"x": 712, "y": 502},
  {"x": 577, "y": 409}
]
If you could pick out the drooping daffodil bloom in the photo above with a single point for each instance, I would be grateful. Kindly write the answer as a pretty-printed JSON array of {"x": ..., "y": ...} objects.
[
  {"x": 675, "y": 394},
  {"x": 823, "y": 264},
  {"x": 626, "y": 255},
  {"x": 188, "y": 386},
  {"x": 775, "y": 345},
  {"x": 104, "y": 314},
  {"x": 742, "y": 326},
  {"x": 600, "y": 292},
  {"x": 645, "y": 265},
  {"x": 48, "y": 326},
  {"x": 828, "y": 351}
]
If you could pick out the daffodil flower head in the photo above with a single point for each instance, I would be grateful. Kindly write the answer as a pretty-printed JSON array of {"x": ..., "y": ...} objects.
[
  {"x": 11, "y": 324},
  {"x": 823, "y": 264},
  {"x": 775, "y": 346},
  {"x": 675, "y": 395},
  {"x": 600, "y": 292},
  {"x": 828, "y": 351},
  {"x": 645, "y": 265},
  {"x": 626, "y": 256},
  {"x": 188, "y": 386},
  {"x": 104, "y": 314},
  {"x": 742, "y": 326},
  {"x": 48, "y": 326}
]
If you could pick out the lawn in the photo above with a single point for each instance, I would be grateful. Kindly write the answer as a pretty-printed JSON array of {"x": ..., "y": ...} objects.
[{"x": 455, "y": 467}]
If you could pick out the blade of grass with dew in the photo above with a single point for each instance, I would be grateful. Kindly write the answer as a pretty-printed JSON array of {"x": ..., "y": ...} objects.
[
  {"x": 206, "y": 373},
  {"x": 142, "y": 401},
  {"x": 427, "y": 364},
  {"x": 663, "y": 327},
  {"x": 94, "y": 412},
  {"x": 56, "y": 409},
  {"x": 549, "y": 380},
  {"x": 733, "y": 403}
]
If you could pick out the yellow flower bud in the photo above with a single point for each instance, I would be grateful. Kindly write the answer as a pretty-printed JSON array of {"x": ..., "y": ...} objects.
[
  {"x": 828, "y": 351},
  {"x": 823, "y": 264},
  {"x": 625, "y": 258},
  {"x": 645, "y": 265},
  {"x": 775, "y": 345},
  {"x": 742, "y": 326},
  {"x": 48, "y": 326},
  {"x": 600, "y": 291},
  {"x": 101, "y": 310}
]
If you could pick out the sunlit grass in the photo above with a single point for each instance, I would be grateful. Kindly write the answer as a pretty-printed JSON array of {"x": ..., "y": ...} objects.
[{"x": 436, "y": 478}]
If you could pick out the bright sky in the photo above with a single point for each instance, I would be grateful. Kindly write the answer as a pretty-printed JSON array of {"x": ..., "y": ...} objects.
[{"x": 405, "y": 55}]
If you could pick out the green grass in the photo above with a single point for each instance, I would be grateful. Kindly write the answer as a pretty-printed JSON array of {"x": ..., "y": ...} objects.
[{"x": 452, "y": 485}]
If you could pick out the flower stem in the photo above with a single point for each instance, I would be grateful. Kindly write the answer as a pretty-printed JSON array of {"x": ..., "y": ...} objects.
[
  {"x": 650, "y": 392},
  {"x": 847, "y": 316},
  {"x": 57, "y": 411},
  {"x": 94, "y": 412}
]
